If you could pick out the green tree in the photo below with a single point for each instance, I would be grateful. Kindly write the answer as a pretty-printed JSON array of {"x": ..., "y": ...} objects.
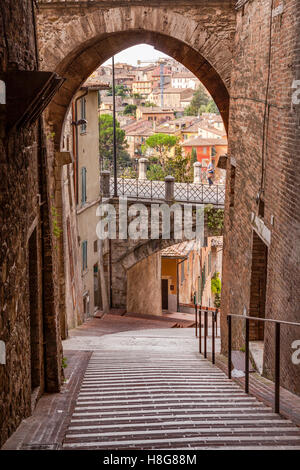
[
  {"x": 162, "y": 144},
  {"x": 215, "y": 219},
  {"x": 216, "y": 287},
  {"x": 106, "y": 141},
  {"x": 156, "y": 172},
  {"x": 180, "y": 167},
  {"x": 211, "y": 107},
  {"x": 137, "y": 96},
  {"x": 194, "y": 155},
  {"x": 130, "y": 109},
  {"x": 200, "y": 98},
  {"x": 120, "y": 90},
  {"x": 129, "y": 173}
]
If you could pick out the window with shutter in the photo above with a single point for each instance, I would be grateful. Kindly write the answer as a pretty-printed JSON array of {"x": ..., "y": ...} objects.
[
  {"x": 84, "y": 255},
  {"x": 83, "y": 185},
  {"x": 83, "y": 114}
]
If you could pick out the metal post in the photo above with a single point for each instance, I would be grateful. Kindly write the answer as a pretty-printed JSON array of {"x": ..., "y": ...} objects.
[
  {"x": 200, "y": 331},
  {"x": 213, "y": 336},
  {"x": 161, "y": 84},
  {"x": 247, "y": 357},
  {"x": 196, "y": 320},
  {"x": 114, "y": 129},
  {"x": 277, "y": 368},
  {"x": 205, "y": 334},
  {"x": 229, "y": 345},
  {"x": 216, "y": 322}
]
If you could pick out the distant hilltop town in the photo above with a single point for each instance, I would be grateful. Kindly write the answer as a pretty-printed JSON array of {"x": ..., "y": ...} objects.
[{"x": 161, "y": 97}]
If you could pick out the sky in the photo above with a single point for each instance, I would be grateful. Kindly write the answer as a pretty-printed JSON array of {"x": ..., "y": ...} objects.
[{"x": 135, "y": 53}]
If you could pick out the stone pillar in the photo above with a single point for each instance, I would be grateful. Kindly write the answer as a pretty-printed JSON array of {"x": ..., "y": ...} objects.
[
  {"x": 169, "y": 188},
  {"x": 105, "y": 183},
  {"x": 143, "y": 162},
  {"x": 197, "y": 172}
]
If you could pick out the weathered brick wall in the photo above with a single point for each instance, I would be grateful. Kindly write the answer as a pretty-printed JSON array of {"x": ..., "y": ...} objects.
[
  {"x": 20, "y": 216},
  {"x": 264, "y": 133},
  {"x": 18, "y": 206}
]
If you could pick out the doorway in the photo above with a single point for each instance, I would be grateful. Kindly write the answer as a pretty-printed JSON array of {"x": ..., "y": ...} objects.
[
  {"x": 164, "y": 294},
  {"x": 97, "y": 291},
  {"x": 258, "y": 287}
]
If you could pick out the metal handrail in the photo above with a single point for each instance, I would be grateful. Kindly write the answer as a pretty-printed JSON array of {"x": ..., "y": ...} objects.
[
  {"x": 277, "y": 350},
  {"x": 214, "y": 327}
]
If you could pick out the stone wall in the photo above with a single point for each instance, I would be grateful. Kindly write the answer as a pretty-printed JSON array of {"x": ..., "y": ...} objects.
[
  {"x": 144, "y": 286},
  {"x": 72, "y": 253},
  {"x": 263, "y": 141},
  {"x": 123, "y": 254},
  {"x": 28, "y": 316}
]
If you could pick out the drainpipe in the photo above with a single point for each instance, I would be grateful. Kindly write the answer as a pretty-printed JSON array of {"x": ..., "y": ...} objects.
[{"x": 110, "y": 276}]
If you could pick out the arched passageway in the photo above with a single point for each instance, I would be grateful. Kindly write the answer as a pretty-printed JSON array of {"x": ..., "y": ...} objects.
[{"x": 74, "y": 45}]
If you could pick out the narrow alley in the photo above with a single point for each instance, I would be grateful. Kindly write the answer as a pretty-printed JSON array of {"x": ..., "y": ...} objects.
[
  {"x": 149, "y": 228},
  {"x": 141, "y": 384}
]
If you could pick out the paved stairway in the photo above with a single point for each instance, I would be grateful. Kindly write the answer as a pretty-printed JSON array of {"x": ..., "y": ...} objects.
[{"x": 169, "y": 400}]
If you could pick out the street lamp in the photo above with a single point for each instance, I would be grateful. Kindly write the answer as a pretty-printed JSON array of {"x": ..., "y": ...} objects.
[
  {"x": 114, "y": 128},
  {"x": 80, "y": 122}
]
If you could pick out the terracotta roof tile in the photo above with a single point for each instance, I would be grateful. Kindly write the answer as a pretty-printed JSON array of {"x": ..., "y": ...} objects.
[{"x": 179, "y": 250}]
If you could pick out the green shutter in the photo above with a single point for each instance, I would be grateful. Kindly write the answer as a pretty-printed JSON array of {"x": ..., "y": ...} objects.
[
  {"x": 84, "y": 255},
  {"x": 83, "y": 113},
  {"x": 83, "y": 185}
]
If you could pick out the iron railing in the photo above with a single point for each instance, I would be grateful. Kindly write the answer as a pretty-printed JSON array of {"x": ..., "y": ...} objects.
[
  {"x": 247, "y": 320},
  {"x": 214, "y": 329},
  {"x": 183, "y": 192}
]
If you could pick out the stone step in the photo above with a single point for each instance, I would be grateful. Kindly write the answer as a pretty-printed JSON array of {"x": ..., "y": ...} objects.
[{"x": 153, "y": 402}]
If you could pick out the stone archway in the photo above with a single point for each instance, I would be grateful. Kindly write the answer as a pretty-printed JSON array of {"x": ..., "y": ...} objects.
[{"x": 76, "y": 39}]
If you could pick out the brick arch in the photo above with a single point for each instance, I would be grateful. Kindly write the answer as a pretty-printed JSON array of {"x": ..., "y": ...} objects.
[{"x": 74, "y": 42}]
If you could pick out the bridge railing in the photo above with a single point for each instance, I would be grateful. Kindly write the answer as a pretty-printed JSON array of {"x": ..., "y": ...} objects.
[{"x": 182, "y": 192}]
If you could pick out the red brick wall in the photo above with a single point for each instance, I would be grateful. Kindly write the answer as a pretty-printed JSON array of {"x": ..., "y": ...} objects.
[{"x": 276, "y": 124}]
